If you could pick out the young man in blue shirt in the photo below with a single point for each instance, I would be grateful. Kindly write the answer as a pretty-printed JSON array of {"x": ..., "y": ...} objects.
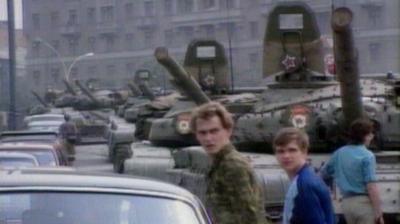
[
  {"x": 353, "y": 169},
  {"x": 308, "y": 200}
]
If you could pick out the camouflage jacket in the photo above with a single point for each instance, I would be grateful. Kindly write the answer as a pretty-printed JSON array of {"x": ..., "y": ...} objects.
[{"x": 233, "y": 194}]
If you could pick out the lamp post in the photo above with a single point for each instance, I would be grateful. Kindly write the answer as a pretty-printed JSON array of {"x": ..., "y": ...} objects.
[
  {"x": 40, "y": 40},
  {"x": 67, "y": 71},
  {"x": 67, "y": 74}
]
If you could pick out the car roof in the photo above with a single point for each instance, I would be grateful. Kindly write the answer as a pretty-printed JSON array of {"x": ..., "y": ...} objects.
[
  {"x": 25, "y": 145},
  {"x": 27, "y": 132},
  {"x": 12, "y": 154},
  {"x": 70, "y": 178}
]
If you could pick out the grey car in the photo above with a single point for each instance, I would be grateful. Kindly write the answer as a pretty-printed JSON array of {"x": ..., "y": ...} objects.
[{"x": 51, "y": 196}]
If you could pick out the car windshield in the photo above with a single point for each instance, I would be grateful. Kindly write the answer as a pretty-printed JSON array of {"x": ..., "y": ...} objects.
[
  {"x": 16, "y": 162},
  {"x": 29, "y": 138},
  {"x": 45, "y": 158},
  {"x": 47, "y": 118},
  {"x": 93, "y": 208}
]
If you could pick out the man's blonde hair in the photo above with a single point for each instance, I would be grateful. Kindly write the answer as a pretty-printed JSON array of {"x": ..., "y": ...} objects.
[
  {"x": 209, "y": 110},
  {"x": 287, "y": 135}
]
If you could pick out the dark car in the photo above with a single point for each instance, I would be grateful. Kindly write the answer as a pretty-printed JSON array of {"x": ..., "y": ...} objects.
[
  {"x": 29, "y": 136},
  {"x": 38, "y": 137},
  {"x": 46, "y": 154},
  {"x": 53, "y": 196}
]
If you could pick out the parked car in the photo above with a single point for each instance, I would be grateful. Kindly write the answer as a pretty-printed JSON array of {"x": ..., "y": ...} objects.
[
  {"x": 44, "y": 125},
  {"x": 17, "y": 159},
  {"x": 46, "y": 154},
  {"x": 29, "y": 136},
  {"x": 44, "y": 117},
  {"x": 59, "y": 196}
]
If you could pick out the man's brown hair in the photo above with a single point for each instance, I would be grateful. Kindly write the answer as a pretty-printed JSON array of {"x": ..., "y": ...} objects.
[
  {"x": 359, "y": 129},
  {"x": 287, "y": 135},
  {"x": 209, "y": 110}
]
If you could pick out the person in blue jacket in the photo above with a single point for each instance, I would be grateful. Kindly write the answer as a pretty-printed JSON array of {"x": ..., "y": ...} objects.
[{"x": 308, "y": 199}]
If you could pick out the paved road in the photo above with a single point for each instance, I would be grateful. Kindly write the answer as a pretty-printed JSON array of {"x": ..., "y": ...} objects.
[{"x": 93, "y": 158}]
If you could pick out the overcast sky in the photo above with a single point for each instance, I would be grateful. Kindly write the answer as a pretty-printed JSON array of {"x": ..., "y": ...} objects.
[{"x": 18, "y": 12}]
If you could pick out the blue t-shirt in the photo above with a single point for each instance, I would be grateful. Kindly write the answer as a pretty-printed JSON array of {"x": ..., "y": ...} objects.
[
  {"x": 308, "y": 200},
  {"x": 352, "y": 167}
]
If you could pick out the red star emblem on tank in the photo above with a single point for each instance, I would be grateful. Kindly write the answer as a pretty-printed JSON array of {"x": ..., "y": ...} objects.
[
  {"x": 209, "y": 80},
  {"x": 289, "y": 62}
]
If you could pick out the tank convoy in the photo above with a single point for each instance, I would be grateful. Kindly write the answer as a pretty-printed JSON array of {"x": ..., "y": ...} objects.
[{"x": 301, "y": 95}]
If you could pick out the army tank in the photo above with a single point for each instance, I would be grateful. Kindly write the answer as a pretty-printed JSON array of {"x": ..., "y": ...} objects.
[{"x": 303, "y": 96}]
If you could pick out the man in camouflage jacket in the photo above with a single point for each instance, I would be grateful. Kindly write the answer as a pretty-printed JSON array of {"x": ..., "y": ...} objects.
[{"x": 233, "y": 194}]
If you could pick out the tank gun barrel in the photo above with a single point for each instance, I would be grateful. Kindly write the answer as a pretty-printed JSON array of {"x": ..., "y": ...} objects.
[
  {"x": 145, "y": 89},
  {"x": 39, "y": 98},
  {"x": 186, "y": 83},
  {"x": 69, "y": 87},
  {"x": 87, "y": 92},
  {"x": 346, "y": 60},
  {"x": 134, "y": 89}
]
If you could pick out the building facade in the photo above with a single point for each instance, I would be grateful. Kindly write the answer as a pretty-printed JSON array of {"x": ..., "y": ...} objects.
[{"x": 123, "y": 34}]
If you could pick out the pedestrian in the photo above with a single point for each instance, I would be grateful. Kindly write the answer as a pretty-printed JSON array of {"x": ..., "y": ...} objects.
[
  {"x": 69, "y": 134},
  {"x": 308, "y": 199},
  {"x": 353, "y": 169},
  {"x": 233, "y": 194}
]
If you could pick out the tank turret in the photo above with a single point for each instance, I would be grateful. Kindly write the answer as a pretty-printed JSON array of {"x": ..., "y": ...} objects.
[
  {"x": 186, "y": 83},
  {"x": 135, "y": 91},
  {"x": 87, "y": 92},
  {"x": 206, "y": 62}
]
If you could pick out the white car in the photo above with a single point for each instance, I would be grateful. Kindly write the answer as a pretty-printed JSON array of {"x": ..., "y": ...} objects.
[
  {"x": 44, "y": 117},
  {"x": 17, "y": 159}
]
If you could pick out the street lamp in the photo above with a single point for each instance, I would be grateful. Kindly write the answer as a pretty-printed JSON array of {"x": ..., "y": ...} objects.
[
  {"x": 40, "y": 40},
  {"x": 74, "y": 62},
  {"x": 66, "y": 71}
]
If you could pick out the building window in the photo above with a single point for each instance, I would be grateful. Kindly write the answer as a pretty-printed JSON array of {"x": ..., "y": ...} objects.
[
  {"x": 36, "y": 48},
  {"x": 168, "y": 7},
  {"x": 185, "y": 6},
  {"x": 210, "y": 31},
  {"x": 91, "y": 15},
  {"x": 209, "y": 4},
  {"x": 169, "y": 37},
  {"x": 188, "y": 32},
  {"x": 110, "y": 43},
  {"x": 148, "y": 38},
  {"x": 374, "y": 52},
  {"x": 72, "y": 17},
  {"x": 231, "y": 29},
  {"x": 129, "y": 10},
  {"x": 54, "y": 19},
  {"x": 130, "y": 41},
  {"x": 253, "y": 30},
  {"x": 230, "y": 4},
  {"x": 73, "y": 46},
  {"x": 107, "y": 14},
  {"x": 36, "y": 21},
  {"x": 149, "y": 8},
  {"x": 92, "y": 44},
  {"x": 375, "y": 16}
]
